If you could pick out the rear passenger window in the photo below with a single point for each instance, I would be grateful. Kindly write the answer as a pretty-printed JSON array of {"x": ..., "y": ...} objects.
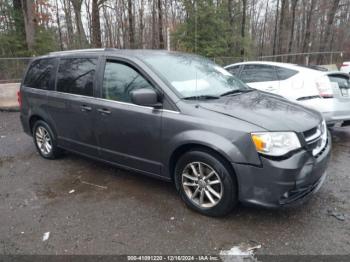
[
  {"x": 284, "y": 73},
  {"x": 39, "y": 74},
  {"x": 258, "y": 73},
  {"x": 76, "y": 75}
]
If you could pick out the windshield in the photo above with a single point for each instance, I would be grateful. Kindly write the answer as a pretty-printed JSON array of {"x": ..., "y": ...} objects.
[{"x": 194, "y": 76}]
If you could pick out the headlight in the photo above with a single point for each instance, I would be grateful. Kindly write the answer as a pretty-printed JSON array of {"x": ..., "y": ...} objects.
[{"x": 275, "y": 143}]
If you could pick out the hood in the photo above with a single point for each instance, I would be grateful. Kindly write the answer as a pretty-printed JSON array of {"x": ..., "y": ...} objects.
[{"x": 265, "y": 110}]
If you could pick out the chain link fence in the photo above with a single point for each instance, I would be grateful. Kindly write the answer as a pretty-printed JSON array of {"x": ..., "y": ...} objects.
[{"x": 12, "y": 69}]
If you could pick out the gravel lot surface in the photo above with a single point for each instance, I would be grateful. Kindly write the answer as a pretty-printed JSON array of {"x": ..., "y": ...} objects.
[{"x": 91, "y": 208}]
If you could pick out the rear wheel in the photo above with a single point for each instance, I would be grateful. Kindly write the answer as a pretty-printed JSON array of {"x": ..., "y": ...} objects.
[
  {"x": 45, "y": 141},
  {"x": 206, "y": 183}
]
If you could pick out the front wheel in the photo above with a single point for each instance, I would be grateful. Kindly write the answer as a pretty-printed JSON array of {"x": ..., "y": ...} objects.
[{"x": 206, "y": 183}]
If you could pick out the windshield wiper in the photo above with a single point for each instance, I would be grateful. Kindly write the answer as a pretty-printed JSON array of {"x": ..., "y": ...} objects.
[
  {"x": 201, "y": 97},
  {"x": 237, "y": 91}
]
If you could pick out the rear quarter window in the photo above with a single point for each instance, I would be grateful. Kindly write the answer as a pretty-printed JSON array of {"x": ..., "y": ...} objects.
[
  {"x": 285, "y": 73},
  {"x": 39, "y": 74},
  {"x": 234, "y": 70}
]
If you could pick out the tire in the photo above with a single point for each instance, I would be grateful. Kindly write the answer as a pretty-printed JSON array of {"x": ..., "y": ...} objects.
[
  {"x": 43, "y": 133},
  {"x": 222, "y": 181}
]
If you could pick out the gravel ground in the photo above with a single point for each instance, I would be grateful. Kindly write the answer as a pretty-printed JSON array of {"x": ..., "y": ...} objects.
[{"x": 91, "y": 208}]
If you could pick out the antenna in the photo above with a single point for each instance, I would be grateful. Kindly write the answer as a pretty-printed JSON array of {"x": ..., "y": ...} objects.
[{"x": 195, "y": 39}]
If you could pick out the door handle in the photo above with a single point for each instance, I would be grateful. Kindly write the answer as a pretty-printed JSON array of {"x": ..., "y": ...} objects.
[
  {"x": 86, "y": 108},
  {"x": 104, "y": 111}
]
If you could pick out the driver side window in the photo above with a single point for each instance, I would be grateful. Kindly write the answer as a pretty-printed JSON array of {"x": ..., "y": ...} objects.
[{"x": 119, "y": 80}]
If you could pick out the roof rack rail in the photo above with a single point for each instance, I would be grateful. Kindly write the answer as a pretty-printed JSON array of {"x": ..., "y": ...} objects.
[{"x": 83, "y": 50}]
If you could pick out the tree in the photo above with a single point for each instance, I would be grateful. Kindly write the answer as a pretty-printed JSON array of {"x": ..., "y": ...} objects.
[
  {"x": 82, "y": 41},
  {"x": 275, "y": 31},
  {"x": 141, "y": 25},
  {"x": 282, "y": 26},
  {"x": 29, "y": 22},
  {"x": 18, "y": 17},
  {"x": 330, "y": 19},
  {"x": 154, "y": 21},
  {"x": 291, "y": 37},
  {"x": 95, "y": 24},
  {"x": 244, "y": 10},
  {"x": 69, "y": 23},
  {"x": 204, "y": 30},
  {"x": 160, "y": 24},
  {"x": 306, "y": 41},
  {"x": 131, "y": 25},
  {"x": 59, "y": 25}
]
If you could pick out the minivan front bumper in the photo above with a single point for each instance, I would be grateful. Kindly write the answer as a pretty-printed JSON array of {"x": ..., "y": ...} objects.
[{"x": 287, "y": 182}]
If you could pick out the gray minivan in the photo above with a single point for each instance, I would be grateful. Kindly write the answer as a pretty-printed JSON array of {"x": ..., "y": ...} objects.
[{"x": 178, "y": 117}]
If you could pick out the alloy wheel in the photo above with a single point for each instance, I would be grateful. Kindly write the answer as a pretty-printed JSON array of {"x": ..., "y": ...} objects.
[
  {"x": 43, "y": 140},
  {"x": 202, "y": 184}
]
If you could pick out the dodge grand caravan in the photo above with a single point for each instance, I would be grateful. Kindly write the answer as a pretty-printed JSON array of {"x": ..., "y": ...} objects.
[{"x": 177, "y": 117}]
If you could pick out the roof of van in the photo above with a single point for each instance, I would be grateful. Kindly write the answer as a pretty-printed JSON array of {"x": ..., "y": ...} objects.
[{"x": 111, "y": 51}]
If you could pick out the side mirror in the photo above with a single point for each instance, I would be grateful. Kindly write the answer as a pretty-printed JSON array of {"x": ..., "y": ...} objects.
[{"x": 145, "y": 97}]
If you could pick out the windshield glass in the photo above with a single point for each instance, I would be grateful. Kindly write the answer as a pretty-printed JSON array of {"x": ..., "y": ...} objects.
[{"x": 194, "y": 76}]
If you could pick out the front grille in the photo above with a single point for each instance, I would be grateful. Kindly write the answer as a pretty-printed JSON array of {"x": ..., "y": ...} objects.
[
  {"x": 310, "y": 132},
  {"x": 316, "y": 139}
]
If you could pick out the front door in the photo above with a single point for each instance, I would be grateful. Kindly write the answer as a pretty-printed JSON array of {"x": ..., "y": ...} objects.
[{"x": 128, "y": 134}]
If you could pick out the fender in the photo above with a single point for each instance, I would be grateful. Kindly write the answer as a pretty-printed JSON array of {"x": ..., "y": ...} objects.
[{"x": 226, "y": 148}]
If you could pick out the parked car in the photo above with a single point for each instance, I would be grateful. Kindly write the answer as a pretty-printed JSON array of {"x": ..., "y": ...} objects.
[
  {"x": 345, "y": 67},
  {"x": 180, "y": 118},
  {"x": 315, "y": 89}
]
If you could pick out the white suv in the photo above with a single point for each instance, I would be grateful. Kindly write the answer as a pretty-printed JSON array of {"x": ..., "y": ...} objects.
[{"x": 327, "y": 92}]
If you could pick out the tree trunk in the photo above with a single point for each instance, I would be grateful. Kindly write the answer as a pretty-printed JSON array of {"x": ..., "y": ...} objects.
[
  {"x": 306, "y": 42},
  {"x": 294, "y": 5},
  {"x": 276, "y": 26},
  {"x": 131, "y": 25},
  {"x": 59, "y": 25},
  {"x": 82, "y": 42},
  {"x": 108, "y": 29},
  {"x": 330, "y": 19},
  {"x": 18, "y": 17},
  {"x": 232, "y": 25},
  {"x": 154, "y": 20},
  {"x": 244, "y": 10},
  {"x": 69, "y": 23},
  {"x": 88, "y": 17},
  {"x": 264, "y": 29},
  {"x": 95, "y": 24},
  {"x": 142, "y": 25},
  {"x": 29, "y": 22},
  {"x": 282, "y": 27},
  {"x": 160, "y": 25}
]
